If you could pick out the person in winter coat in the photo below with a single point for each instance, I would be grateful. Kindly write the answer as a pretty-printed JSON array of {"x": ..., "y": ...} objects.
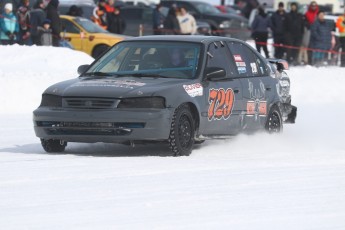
[
  {"x": 171, "y": 24},
  {"x": 9, "y": 26},
  {"x": 45, "y": 33},
  {"x": 310, "y": 17},
  {"x": 321, "y": 38},
  {"x": 53, "y": 16},
  {"x": 294, "y": 33},
  {"x": 116, "y": 24},
  {"x": 341, "y": 27},
  {"x": 260, "y": 27},
  {"x": 23, "y": 16},
  {"x": 37, "y": 17},
  {"x": 278, "y": 29},
  {"x": 187, "y": 22},
  {"x": 99, "y": 15},
  {"x": 158, "y": 19}
]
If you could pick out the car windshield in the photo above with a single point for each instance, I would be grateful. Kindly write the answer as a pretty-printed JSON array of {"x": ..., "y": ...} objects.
[
  {"x": 89, "y": 26},
  {"x": 205, "y": 8},
  {"x": 149, "y": 59}
]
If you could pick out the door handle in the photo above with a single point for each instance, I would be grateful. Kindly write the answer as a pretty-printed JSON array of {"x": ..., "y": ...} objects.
[
  {"x": 236, "y": 90},
  {"x": 268, "y": 88}
]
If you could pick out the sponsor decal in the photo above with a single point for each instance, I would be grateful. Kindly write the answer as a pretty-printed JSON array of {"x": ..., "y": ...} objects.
[
  {"x": 241, "y": 64},
  {"x": 242, "y": 70},
  {"x": 221, "y": 103},
  {"x": 256, "y": 107},
  {"x": 194, "y": 90},
  {"x": 110, "y": 83},
  {"x": 237, "y": 58},
  {"x": 254, "y": 68}
]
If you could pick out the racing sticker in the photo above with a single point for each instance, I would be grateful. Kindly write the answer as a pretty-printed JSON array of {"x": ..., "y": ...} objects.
[
  {"x": 237, "y": 58},
  {"x": 221, "y": 103},
  {"x": 257, "y": 107},
  {"x": 241, "y": 64},
  {"x": 128, "y": 84},
  {"x": 254, "y": 68},
  {"x": 242, "y": 70},
  {"x": 194, "y": 90}
]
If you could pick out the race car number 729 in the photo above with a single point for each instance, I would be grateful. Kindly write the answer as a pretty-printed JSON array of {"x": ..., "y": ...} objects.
[{"x": 221, "y": 103}]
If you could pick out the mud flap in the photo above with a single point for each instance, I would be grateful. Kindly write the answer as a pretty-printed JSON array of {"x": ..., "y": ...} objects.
[{"x": 291, "y": 116}]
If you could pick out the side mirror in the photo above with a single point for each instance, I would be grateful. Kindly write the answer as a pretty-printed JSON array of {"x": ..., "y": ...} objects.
[
  {"x": 215, "y": 73},
  {"x": 82, "y": 69}
]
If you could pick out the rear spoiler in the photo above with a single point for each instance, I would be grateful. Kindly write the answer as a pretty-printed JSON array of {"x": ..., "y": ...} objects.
[{"x": 280, "y": 64}]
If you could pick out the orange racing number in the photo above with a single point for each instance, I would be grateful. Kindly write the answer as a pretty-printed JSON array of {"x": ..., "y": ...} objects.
[{"x": 221, "y": 103}]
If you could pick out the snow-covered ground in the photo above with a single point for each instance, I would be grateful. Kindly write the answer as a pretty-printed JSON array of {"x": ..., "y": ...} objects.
[{"x": 291, "y": 181}]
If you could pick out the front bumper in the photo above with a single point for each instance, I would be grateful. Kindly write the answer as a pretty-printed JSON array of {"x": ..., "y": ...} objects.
[{"x": 107, "y": 126}]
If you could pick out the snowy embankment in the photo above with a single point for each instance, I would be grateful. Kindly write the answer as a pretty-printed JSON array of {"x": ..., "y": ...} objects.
[{"x": 291, "y": 181}]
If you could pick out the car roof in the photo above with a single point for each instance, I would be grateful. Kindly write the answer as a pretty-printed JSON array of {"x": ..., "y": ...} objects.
[{"x": 183, "y": 38}]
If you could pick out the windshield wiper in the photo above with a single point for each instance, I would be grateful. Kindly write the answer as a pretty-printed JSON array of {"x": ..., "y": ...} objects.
[
  {"x": 153, "y": 75},
  {"x": 98, "y": 74}
]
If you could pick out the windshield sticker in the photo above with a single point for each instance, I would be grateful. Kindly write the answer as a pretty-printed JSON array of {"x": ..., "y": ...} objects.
[
  {"x": 110, "y": 83},
  {"x": 221, "y": 103},
  {"x": 254, "y": 68},
  {"x": 238, "y": 58},
  {"x": 194, "y": 90}
]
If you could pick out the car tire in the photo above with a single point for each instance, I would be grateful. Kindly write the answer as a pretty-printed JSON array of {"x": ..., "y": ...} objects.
[
  {"x": 53, "y": 146},
  {"x": 99, "y": 50},
  {"x": 181, "y": 138},
  {"x": 274, "y": 122}
]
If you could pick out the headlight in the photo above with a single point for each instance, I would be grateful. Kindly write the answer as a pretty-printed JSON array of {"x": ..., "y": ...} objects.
[
  {"x": 225, "y": 25},
  {"x": 142, "y": 103},
  {"x": 49, "y": 100}
]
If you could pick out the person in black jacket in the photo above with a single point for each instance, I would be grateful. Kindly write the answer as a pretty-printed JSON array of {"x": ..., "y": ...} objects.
[
  {"x": 278, "y": 28},
  {"x": 260, "y": 27},
  {"x": 53, "y": 16},
  {"x": 171, "y": 24},
  {"x": 116, "y": 24},
  {"x": 294, "y": 33},
  {"x": 37, "y": 17}
]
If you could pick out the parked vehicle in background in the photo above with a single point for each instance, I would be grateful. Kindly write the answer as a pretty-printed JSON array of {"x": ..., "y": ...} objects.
[
  {"x": 228, "y": 25},
  {"x": 175, "y": 89},
  {"x": 87, "y": 7},
  {"x": 228, "y": 9},
  {"x": 86, "y": 36},
  {"x": 136, "y": 16}
]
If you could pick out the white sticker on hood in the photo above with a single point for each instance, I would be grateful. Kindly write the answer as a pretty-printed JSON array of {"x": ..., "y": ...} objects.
[
  {"x": 110, "y": 83},
  {"x": 194, "y": 90}
]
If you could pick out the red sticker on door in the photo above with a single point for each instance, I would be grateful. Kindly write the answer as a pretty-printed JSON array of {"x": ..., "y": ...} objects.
[{"x": 221, "y": 103}]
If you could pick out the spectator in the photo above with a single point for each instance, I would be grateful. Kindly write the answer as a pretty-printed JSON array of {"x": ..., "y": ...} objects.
[
  {"x": 109, "y": 7},
  {"x": 75, "y": 11},
  {"x": 116, "y": 24},
  {"x": 249, "y": 6},
  {"x": 53, "y": 16},
  {"x": 294, "y": 31},
  {"x": 158, "y": 20},
  {"x": 310, "y": 17},
  {"x": 99, "y": 14},
  {"x": 320, "y": 38},
  {"x": 278, "y": 29},
  {"x": 171, "y": 24},
  {"x": 23, "y": 16},
  {"x": 9, "y": 26},
  {"x": 341, "y": 27},
  {"x": 45, "y": 33},
  {"x": 187, "y": 22},
  {"x": 37, "y": 17},
  {"x": 260, "y": 28}
]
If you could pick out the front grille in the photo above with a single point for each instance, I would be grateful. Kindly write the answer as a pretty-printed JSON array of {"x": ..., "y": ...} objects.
[{"x": 90, "y": 103}]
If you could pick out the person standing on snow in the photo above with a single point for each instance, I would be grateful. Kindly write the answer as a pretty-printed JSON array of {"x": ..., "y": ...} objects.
[
  {"x": 310, "y": 17},
  {"x": 23, "y": 15},
  {"x": 341, "y": 27},
  {"x": 187, "y": 22},
  {"x": 278, "y": 29},
  {"x": 37, "y": 17},
  {"x": 9, "y": 26},
  {"x": 260, "y": 27},
  {"x": 320, "y": 38},
  {"x": 294, "y": 31},
  {"x": 53, "y": 16}
]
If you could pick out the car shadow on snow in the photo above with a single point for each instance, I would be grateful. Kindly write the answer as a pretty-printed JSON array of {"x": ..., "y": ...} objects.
[{"x": 99, "y": 150}]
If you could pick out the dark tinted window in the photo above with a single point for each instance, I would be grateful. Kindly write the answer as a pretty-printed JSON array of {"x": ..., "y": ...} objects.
[
  {"x": 218, "y": 55},
  {"x": 247, "y": 62},
  {"x": 69, "y": 27}
]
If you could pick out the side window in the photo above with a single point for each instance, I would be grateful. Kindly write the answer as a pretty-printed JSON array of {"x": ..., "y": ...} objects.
[
  {"x": 247, "y": 62},
  {"x": 218, "y": 55},
  {"x": 69, "y": 27}
]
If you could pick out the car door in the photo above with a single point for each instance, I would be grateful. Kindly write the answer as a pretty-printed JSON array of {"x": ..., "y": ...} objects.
[
  {"x": 258, "y": 86},
  {"x": 222, "y": 96},
  {"x": 72, "y": 33}
]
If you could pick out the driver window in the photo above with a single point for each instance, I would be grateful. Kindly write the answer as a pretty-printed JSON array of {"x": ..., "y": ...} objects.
[{"x": 69, "y": 27}]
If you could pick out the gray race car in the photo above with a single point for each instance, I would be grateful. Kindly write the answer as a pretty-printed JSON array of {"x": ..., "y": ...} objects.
[{"x": 178, "y": 89}]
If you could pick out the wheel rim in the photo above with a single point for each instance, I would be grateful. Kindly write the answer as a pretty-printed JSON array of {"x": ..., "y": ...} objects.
[
  {"x": 274, "y": 123},
  {"x": 184, "y": 131}
]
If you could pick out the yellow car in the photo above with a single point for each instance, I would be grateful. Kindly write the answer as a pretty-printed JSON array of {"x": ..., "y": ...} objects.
[{"x": 86, "y": 36}]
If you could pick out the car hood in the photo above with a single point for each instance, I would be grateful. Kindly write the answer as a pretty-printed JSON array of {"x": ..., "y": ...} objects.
[{"x": 115, "y": 87}]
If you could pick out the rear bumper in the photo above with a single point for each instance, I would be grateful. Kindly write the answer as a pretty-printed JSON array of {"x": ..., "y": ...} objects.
[{"x": 102, "y": 126}]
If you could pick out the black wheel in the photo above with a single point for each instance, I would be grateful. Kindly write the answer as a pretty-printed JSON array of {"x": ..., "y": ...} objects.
[
  {"x": 274, "y": 122},
  {"x": 53, "y": 146},
  {"x": 181, "y": 138},
  {"x": 99, "y": 50}
]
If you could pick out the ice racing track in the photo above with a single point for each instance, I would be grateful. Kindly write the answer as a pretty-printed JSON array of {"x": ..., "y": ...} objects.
[{"x": 295, "y": 180}]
